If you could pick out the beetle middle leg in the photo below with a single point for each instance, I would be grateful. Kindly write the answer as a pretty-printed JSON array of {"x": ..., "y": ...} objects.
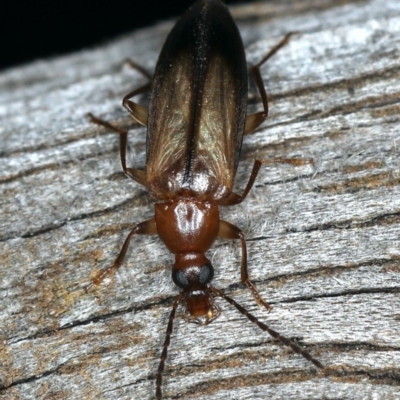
[
  {"x": 235, "y": 198},
  {"x": 229, "y": 231}
]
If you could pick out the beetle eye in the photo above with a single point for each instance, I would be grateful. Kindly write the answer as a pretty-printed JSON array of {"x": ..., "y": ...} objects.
[
  {"x": 180, "y": 279},
  {"x": 206, "y": 274}
]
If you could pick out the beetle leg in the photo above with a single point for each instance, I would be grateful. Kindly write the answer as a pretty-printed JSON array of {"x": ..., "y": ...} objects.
[
  {"x": 253, "y": 121},
  {"x": 148, "y": 227},
  {"x": 138, "y": 67},
  {"x": 138, "y": 112},
  {"x": 235, "y": 198},
  {"x": 229, "y": 231},
  {"x": 134, "y": 173}
]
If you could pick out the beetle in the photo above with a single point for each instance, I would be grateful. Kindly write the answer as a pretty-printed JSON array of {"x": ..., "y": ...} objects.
[{"x": 195, "y": 122}]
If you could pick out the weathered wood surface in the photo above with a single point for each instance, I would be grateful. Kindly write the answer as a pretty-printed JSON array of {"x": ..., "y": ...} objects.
[{"x": 324, "y": 245}]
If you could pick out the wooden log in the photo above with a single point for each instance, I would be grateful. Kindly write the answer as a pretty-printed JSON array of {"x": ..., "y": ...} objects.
[{"x": 323, "y": 242}]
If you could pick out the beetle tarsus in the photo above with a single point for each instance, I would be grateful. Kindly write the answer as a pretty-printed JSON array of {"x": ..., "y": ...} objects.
[{"x": 257, "y": 297}]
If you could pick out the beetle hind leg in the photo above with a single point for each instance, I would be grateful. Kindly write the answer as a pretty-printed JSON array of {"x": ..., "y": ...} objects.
[
  {"x": 138, "y": 112},
  {"x": 253, "y": 121},
  {"x": 134, "y": 65},
  {"x": 98, "y": 121},
  {"x": 134, "y": 173}
]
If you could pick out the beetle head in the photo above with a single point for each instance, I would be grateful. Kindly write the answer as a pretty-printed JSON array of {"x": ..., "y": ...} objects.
[{"x": 192, "y": 273}]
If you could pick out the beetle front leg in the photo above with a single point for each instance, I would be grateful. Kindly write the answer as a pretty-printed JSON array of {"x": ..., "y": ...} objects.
[
  {"x": 148, "y": 227},
  {"x": 229, "y": 231}
]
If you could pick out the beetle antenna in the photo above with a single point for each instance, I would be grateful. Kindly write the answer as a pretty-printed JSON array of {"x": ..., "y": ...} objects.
[
  {"x": 266, "y": 328},
  {"x": 165, "y": 347}
]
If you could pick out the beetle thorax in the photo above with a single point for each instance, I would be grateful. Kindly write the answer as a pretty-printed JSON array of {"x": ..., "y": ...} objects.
[{"x": 187, "y": 226}]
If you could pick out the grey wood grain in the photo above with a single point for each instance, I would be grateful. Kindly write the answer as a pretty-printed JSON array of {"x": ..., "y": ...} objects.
[{"x": 323, "y": 242}]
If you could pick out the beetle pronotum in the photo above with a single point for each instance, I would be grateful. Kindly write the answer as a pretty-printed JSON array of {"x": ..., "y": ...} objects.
[{"x": 196, "y": 120}]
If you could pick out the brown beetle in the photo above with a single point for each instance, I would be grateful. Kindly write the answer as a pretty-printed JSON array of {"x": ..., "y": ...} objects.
[{"x": 196, "y": 120}]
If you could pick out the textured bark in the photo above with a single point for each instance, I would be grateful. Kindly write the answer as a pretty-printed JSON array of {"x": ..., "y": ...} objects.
[{"x": 323, "y": 243}]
